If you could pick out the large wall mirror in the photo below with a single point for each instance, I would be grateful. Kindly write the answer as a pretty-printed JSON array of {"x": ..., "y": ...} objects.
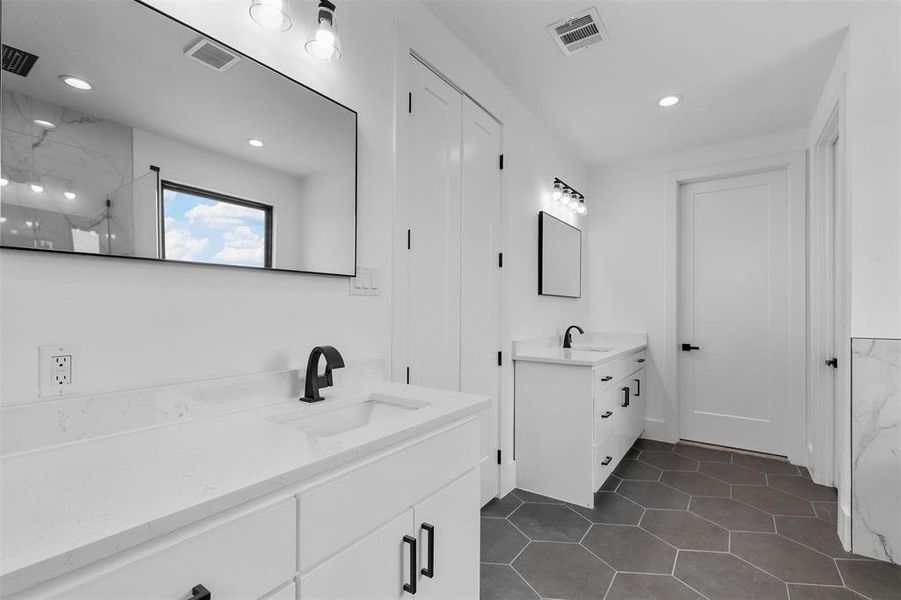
[
  {"x": 126, "y": 133},
  {"x": 559, "y": 257}
]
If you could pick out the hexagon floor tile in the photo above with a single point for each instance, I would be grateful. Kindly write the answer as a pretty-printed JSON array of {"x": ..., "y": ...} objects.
[
  {"x": 630, "y": 549},
  {"x": 773, "y": 537},
  {"x": 549, "y": 522}
]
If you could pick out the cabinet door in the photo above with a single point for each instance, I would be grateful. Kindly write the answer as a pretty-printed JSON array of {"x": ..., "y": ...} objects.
[
  {"x": 449, "y": 522},
  {"x": 375, "y": 568}
]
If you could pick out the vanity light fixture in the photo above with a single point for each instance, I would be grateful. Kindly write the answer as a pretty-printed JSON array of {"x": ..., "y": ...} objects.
[
  {"x": 668, "y": 101},
  {"x": 76, "y": 82},
  {"x": 256, "y": 143},
  {"x": 44, "y": 124},
  {"x": 324, "y": 42},
  {"x": 568, "y": 197},
  {"x": 271, "y": 14}
]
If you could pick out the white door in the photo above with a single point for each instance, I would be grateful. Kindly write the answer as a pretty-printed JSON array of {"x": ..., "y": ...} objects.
[
  {"x": 447, "y": 520},
  {"x": 375, "y": 568},
  {"x": 452, "y": 319},
  {"x": 734, "y": 309},
  {"x": 433, "y": 286},
  {"x": 480, "y": 276}
]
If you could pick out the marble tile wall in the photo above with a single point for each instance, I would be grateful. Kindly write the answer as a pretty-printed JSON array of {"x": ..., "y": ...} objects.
[
  {"x": 876, "y": 448},
  {"x": 53, "y": 422}
]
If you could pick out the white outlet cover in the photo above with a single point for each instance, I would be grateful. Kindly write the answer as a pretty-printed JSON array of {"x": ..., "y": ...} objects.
[{"x": 46, "y": 386}]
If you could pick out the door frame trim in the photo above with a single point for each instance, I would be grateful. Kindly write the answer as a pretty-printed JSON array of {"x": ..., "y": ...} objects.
[{"x": 795, "y": 165}]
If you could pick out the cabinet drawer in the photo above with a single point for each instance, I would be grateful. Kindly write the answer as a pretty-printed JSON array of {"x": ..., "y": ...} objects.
[
  {"x": 609, "y": 374},
  {"x": 344, "y": 510},
  {"x": 636, "y": 361},
  {"x": 242, "y": 559},
  {"x": 602, "y": 451}
]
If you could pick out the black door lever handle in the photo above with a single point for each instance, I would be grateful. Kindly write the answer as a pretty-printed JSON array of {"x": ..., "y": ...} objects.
[{"x": 689, "y": 348}]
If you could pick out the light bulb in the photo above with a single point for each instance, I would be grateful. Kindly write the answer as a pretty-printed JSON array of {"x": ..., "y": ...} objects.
[
  {"x": 581, "y": 208},
  {"x": 70, "y": 195},
  {"x": 564, "y": 200},
  {"x": 76, "y": 82},
  {"x": 256, "y": 143},
  {"x": 557, "y": 194},
  {"x": 4, "y": 181},
  {"x": 44, "y": 124},
  {"x": 271, "y": 14},
  {"x": 323, "y": 42},
  {"x": 37, "y": 188},
  {"x": 668, "y": 101}
]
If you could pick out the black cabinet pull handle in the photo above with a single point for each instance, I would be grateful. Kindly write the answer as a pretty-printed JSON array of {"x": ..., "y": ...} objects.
[
  {"x": 411, "y": 587},
  {"x": 430, "y": 570},
  {"x": 606, "y": 461},
  {"x": 625, "y": 396},
  {"x": 607, "y": 378},
  {"x": 607, "y": 415},
  {"x": 637, "y": 387},
  {"x": 689, "y": 348},
  {"x": 640, "y": 360},
  {"x": 199, "y": 592}
]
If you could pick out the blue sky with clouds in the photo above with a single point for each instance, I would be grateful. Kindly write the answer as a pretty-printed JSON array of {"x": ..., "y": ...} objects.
[{"x": 203, "y": 230}]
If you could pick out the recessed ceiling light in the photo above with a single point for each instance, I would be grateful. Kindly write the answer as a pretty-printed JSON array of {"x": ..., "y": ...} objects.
[
  {"x": 76, "y": 82},
  {"x": 70, "y": 195},
  {"x": 256, "y": 143},
  {"x": 37, "y": 188},
  {"x": 44, "y": 124},
  {"x": 668, "y": 101}
]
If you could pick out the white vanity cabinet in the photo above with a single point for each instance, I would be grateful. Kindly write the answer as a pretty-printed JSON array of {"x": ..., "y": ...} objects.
[
  {"x": 575, "y": 420},
  {"x": 405, "y": 518}
]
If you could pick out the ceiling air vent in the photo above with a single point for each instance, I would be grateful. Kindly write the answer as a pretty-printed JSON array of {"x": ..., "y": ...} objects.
[
  {"x": 18, "y": 61},
  {"x": 578, "y": 31},
  {"x": 212, "y": 55}
]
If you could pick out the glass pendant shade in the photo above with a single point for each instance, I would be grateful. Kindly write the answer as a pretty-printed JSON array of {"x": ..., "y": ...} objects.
[
  {"x": 557, "y": 194},
  {"x": 271, "y": 14},
  {"x": 324, "y": 42}
]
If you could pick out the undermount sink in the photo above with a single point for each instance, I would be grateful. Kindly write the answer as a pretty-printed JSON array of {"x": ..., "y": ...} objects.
[
  {"x": 335, "y": 421},
  {"x": 591, "y": 349}
]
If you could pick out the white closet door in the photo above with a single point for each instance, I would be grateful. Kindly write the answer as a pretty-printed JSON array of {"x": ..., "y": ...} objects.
[
  {"x": 734, "y": 264},
  {"x": 433, "y": 319},
  {"x": 480, "y": 283}
]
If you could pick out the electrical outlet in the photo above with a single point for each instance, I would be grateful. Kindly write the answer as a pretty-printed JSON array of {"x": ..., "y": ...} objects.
[{"x": 55, "y": 370}]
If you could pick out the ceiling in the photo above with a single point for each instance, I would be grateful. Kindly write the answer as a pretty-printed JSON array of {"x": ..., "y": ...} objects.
[{"x": 745, "y": 68}]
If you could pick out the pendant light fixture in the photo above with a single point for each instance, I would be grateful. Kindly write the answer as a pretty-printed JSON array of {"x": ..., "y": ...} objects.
[
  {"x": 271, "y": 14},
  {"x": 323, "y": 42}
]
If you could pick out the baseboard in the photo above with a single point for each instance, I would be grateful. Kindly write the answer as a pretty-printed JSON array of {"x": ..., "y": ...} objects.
[{"x": 844, "y": 527}]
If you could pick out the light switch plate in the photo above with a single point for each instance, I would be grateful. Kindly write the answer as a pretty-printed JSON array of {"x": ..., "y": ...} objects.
[
  {"x": 56, "y": 371},
  {"x": 366, "y": 283}
]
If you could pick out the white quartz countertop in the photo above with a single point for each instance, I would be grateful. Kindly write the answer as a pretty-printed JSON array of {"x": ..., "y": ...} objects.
[
  {"x": 68, "y": 506},
  {"x": 590, "y": 350}
]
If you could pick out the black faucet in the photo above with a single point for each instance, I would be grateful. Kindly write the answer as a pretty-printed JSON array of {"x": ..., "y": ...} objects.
[
  {"x": 568, "y": 336},
  {"x": 313, "y": 380}
]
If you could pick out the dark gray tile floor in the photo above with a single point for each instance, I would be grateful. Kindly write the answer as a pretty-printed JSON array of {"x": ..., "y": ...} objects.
[{"x": 679, "y": 521}]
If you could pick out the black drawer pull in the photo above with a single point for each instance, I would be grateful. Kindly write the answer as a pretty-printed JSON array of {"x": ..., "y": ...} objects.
[
  {"x": 430, "y": 570},
  {"x": 625, "y": 396},
  {"x": 607, "y": 415},
  {"x": 637, "y": 387},
  {"x": 199, "y": 592},
  {"x": 606, "y": 461},
  {"x": 411, "y": 587},
  {"x": 640, "y": 360},
  {"x": 607, "y": 378}
]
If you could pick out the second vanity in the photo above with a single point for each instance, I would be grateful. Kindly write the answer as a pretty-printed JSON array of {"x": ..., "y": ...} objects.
[
  {"x": 578, "y": 411},
  {"x": 372, "y": 493}
]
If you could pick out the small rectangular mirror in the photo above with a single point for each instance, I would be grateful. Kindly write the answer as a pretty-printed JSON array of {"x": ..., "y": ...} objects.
[
  {"x": 559, "y": 258},
  {"x": 127, "y": 133}
]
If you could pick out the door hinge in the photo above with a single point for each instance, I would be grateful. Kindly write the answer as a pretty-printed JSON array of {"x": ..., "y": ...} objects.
[
  {"x": 409, "y": 240},
  {"x": 500, "y": 358},
  {"x": 500, "y": 260},
  {"x": 408, "y": 375},
  {"x": 410, "y": 103},
  {"x": 501, "y": 161},
  {"x": 498, "y": 456},
  {"x": 832, "y": 362}
]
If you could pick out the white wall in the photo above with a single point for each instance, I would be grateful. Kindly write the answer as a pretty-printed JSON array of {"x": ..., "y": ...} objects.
[
  {"x": 629, "y": 254},
  {"x": 138, "y": 324}
]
